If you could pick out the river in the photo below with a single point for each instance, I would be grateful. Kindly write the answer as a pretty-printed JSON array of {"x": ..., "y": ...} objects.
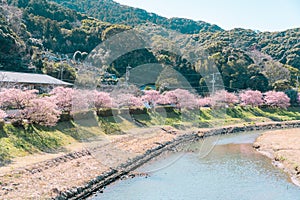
[{"x": 232, "y": 170}]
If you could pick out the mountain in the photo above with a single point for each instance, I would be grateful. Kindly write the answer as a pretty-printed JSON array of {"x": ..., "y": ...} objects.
[
  {"x": 115, "y": 13},
  {"x": 41, "y": 36},
  {"x": 35, "y": 33},
  {"x": 282, "y": 46}
]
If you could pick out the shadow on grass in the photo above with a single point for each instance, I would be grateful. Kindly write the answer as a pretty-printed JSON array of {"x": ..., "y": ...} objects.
[
  {"x": 32, "y": 140},
  {"x": 111, "y": 125},
  {"x": 204, "y": 113},
  {"x": 5, "y": 157},
  {"x": 235, "y": 112},
  {"x": 68, "y": 128},
  {"x": 2, "y": 133}
]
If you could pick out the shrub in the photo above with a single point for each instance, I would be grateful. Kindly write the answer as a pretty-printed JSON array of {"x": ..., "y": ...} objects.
[{"x": 293, "y": 95}]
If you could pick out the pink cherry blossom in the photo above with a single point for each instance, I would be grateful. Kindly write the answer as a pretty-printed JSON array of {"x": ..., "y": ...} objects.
[
  {"x": 127, "y": 100},
  {"x": 42, "y": 111},
  {"x": 182, "y": 99},
  {"x": 251, "y": 97},
  {"x": 151, "y": 97},
  {"x": 63, "y": 98},
  {"x": 222, "y": 96},
  {"x": 16, "y": 98},
  {"x": 276, "y": 99},
  {"x": 102, "y": 100},
  {"x": 204, "y": 102}
]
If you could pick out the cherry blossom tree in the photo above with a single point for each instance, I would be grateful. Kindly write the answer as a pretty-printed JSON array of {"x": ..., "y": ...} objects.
[
  {"x": 127, "y": 100},
  {"x": 16, "y": 98},
  {"x": 163, "y": 100},
  {"x": 63, "y": 98},
  {"x": 276, "y": 99},
  {"x": 205, "y": 102},
  {"x": 42, "y": 111},
  {"x": 170, "y": 97},
  {"x": 183, "y": 99},
  {"x": 83, "y": 100},
  {"x": 251, "y": 97},
  {"x": 151, "y": 97},
  {"x": 102, "y": 100},
  {"x": 222, "y": 96}
]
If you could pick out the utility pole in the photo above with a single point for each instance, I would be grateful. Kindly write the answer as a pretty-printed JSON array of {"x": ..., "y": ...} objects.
[
  {"x": 61, "y": 72},
  {"x": 61, "y": 66},
  {"x": 127, "y": 74},
  {"x": 213, "y": 81}
]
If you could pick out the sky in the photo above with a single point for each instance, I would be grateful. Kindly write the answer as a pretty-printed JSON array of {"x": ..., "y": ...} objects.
[{"x": 263, "y": 15}]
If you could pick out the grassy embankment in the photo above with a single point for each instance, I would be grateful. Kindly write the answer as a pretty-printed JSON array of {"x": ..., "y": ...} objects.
[{"x": 21, "y": 141}]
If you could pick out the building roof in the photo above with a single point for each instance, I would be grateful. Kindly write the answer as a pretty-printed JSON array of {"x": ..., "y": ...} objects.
[{"x": 17, "y": 77}]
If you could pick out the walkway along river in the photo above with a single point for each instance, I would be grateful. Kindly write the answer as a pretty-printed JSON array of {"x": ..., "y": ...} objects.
[
  {"x": 233, "y": 170},
  {"x": 179, "y": 138}
]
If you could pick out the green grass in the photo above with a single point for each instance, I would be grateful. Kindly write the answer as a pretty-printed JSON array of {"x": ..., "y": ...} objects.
[{"x": 21, "y": 141}]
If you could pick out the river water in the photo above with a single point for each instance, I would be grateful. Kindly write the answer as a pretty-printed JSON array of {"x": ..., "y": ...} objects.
[{"x": 232, "y": 170}]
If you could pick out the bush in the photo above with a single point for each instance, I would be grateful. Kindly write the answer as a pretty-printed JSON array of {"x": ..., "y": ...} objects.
[{"x": 293, "y": 95}]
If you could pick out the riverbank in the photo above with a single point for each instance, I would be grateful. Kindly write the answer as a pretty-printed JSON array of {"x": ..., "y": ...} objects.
[
  {"x": 78, "y": 174},
  {"x": 283, "y": 147},
  {"x": 28, "y": 140}
]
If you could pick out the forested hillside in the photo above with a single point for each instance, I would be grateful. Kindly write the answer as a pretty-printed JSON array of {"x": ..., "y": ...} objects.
[
  {"x": 35, "y": 33},
  {"x": 115, "y": 13},
  {"x": 246, "y": 58},
  {"x": 42, "y": 36}
]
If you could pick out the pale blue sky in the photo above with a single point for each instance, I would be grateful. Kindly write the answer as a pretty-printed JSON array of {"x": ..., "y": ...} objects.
[{"x": 264, "y": 15}]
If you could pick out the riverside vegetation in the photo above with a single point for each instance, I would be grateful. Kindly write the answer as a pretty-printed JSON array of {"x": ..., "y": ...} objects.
[{"x": 48, "y": 123}]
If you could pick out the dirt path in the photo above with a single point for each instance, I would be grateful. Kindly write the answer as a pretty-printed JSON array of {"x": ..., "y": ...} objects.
[
  {"x": 283, "y": 147},
  {"x": 44, "y": 176},
  {"x": 47, "y": 175}
]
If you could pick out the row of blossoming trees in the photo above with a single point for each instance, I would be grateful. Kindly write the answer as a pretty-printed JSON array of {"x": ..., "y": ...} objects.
[{"x": 46, "y": 109}]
